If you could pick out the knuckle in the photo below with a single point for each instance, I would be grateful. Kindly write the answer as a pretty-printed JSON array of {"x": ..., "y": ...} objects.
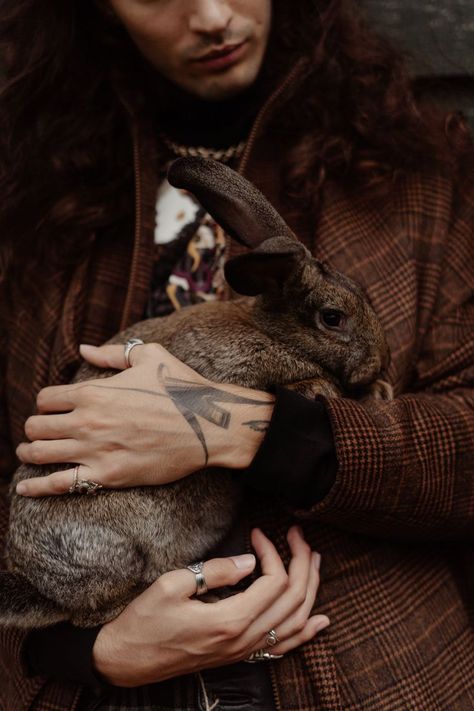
[
  {"x": 299, "y": 595},
  {"x": 36, "y": 452},
  {"x": 154, "y": 350},
  {"x": 305, "y": 547},
  {"x": 307, "y": 634},
  {"x": 113, "y": 472},
  {"x": 230, "y": 573},
  {"x": 88, "y": 424},
  {"x": 30, "y": 428},
  {"x": 88, "y": 393},
  {"x": 230, "y": 629},
  {"x": 166, "y": 586},
  {"x": 41, "y": 398},
  {"x": 283, "y": 583},
  {"x": 300, "y": 622},
  {"x": 223, "y": 571},
  {"x": 315, "y": 587},
  {"x": 56, "y": 486},
  {"x": 81, "y": 422}
]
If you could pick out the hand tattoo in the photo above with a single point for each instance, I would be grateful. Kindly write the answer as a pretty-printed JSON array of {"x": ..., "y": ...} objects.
[
  {"x": 194, "y": 399},
  {"x": 258, "y": 425}
]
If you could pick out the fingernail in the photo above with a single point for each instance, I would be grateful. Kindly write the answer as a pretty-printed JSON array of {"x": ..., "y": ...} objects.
[
  {"x": 243, "y": 562},
  {"x": 87, "y": 345},
  {"x": 21, "y": 488},
  {"x": 317, "y": 560},
  {"x": 322, "y": 624}
]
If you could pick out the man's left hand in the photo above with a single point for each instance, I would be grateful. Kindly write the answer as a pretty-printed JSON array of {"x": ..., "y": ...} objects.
[{"x": 150, "y": 424}]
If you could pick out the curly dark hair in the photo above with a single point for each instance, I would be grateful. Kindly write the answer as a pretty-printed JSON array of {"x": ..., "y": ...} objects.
[{"x": 71, "y": 75}]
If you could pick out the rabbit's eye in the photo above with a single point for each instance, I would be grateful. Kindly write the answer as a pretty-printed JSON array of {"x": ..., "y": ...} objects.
[{"x": 331, "y": 318}]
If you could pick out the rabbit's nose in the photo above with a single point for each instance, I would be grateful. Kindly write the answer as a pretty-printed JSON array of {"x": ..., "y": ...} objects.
[{"x": 366, "y": 372}]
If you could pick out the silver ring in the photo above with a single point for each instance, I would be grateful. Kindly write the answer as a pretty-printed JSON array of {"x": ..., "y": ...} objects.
[
  {"x": 271, "y": 638},
  {"x": 261, "y": 655},
  {"x": 83, "y": 486},
  {"x": 127, "y": 349},
  {"x": 201, "y": 585}
]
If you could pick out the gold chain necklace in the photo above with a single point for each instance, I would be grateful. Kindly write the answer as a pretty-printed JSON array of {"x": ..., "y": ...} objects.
[{"x": 222, "y": 154}]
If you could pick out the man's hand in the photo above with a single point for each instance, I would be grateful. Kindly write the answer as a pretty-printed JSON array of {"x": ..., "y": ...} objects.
[
  {"x": 150, "y": 424},
  {"x": 164, "y": 633}
]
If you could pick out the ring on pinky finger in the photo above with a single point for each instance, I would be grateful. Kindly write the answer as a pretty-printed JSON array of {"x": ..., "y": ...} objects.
[
  {"x": 83, "y": 486},
  {"x": 313, "y": 626},
  {"x": 67, "y": 481},
  {"x": 262, "y": 655}
]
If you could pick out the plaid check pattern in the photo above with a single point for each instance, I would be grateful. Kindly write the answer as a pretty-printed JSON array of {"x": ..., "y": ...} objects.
[{"x": 396, "y": 530}]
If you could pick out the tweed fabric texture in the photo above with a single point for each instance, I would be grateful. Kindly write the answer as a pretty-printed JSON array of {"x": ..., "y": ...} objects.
[{"x": 396, "y": 530}]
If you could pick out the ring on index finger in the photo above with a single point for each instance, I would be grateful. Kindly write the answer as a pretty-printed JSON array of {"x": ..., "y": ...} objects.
[
  {"x": 127, "y": 349},
  {"x": 201, "y": 585}
]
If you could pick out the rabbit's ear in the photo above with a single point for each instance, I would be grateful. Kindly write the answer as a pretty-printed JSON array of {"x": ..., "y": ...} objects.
[
  {"x": 266, "y": 268},
  {"x": 241, "y": 210}
]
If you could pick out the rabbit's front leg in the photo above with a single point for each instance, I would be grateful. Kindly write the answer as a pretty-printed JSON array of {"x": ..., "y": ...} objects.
[
  {"x": 381, "y": 390},
  {"x": 315, "y": 386}
]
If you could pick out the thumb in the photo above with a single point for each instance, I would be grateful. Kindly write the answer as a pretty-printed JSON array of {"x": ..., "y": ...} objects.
[
  {"x": 217, "y": 572},
  {"x": 111, "y": 356}
]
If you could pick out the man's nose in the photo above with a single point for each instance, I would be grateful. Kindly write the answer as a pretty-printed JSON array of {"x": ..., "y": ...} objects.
[{"x": 210, "y": 16}]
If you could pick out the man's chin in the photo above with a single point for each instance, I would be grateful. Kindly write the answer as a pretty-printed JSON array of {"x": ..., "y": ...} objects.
[
  {"x": 219, "y": 87},
  {"x": 220, "y": 93}
]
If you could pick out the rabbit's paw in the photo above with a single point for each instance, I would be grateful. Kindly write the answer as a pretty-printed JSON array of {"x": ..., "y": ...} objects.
[
  {"x": 314, "y": 386},
  {"x": 381, "y": 390}
]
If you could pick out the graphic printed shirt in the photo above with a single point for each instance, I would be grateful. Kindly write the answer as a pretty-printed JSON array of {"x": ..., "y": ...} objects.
[{"x": 190, "y": 253}]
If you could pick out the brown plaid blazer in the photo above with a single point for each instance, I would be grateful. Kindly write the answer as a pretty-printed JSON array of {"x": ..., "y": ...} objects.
[{"x": 396, "y": 530}]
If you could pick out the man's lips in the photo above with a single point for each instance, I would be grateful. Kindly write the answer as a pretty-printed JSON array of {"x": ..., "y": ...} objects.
[{"x": 220, "y": 56}]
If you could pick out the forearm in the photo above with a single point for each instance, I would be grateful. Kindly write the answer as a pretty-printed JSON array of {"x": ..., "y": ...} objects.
[
  {"x": 234, "y": 437},
  {"x": 283, "y": 444},
  {"x": 405, "y": 469},
  {"x": 399, "y": 469}
]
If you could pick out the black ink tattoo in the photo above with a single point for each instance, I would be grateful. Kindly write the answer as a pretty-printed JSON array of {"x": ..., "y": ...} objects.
[
  {"x": 193, "y": 399},
  {"x": 257, "y": 425}
]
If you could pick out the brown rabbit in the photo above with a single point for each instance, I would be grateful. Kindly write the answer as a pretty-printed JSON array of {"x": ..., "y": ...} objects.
[{"x": 84, "y": 558}]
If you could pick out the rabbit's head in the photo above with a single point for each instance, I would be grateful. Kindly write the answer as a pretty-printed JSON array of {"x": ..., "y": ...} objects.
[{"x": 319, "y": 313}]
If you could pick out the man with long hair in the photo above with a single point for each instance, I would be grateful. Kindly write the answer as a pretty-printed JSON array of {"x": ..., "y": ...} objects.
[{"x": 97, "y": 97}]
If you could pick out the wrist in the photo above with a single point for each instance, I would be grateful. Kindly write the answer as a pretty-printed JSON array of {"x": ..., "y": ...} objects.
[
  {"x": 105, "y": 655},
  {"x": 236, "y": 446}
]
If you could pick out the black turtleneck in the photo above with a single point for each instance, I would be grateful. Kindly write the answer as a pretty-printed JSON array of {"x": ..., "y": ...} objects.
[{"x": 213, "y": 124}]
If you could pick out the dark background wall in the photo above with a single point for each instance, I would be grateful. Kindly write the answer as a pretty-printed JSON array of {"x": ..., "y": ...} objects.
[{"x": 439, "y": 39}]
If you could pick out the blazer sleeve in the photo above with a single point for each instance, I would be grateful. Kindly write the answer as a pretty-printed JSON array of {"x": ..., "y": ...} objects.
[
  {"x": 406, "y": 468},
  {"x": 18, "y": 690}
]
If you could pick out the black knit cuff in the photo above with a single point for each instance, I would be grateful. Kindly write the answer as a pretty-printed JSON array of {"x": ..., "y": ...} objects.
[
  {"x": 63, "y": 652},
  {"x": 297, "y": 458}
]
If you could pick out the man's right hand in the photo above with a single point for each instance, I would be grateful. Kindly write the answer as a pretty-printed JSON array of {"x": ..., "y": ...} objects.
[{"x": 166, "y": 632}]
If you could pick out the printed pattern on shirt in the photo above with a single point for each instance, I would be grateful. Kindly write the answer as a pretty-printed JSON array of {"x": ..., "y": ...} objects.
[{"x": 189, "y": 253}]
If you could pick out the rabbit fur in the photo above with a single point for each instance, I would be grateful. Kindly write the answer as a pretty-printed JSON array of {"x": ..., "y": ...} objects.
[{"x": 84, "y": 558}]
